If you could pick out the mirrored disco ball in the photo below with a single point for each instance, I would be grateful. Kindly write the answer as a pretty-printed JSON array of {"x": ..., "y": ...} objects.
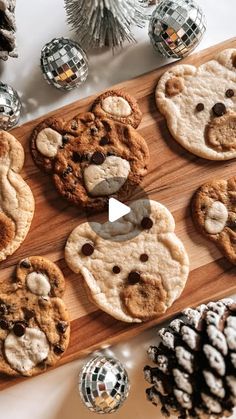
[
  {"x": 64, "y": 63},
  {"x": 10, "y": 106},
  {"x": 103, "y": 384},
  {"x": 176, "y": 27}
]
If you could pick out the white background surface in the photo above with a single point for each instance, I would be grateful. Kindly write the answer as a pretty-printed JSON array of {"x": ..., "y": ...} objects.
[{"x": 53, "y": 395}]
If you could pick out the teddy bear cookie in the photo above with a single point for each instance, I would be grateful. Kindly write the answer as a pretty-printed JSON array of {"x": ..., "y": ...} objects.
[
  {"x": 16, "y": 198},
  {"x": 200, "y": 106},
  {"x": 135, "y": 267},
  {"x": 214, "y": 213},
  {"x": 34, "y": 323},
  {"x": 97, "y": 154}
]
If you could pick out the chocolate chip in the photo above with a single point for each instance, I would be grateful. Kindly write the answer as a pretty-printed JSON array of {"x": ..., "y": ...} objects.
[
  {"x": 93, "y": 130},
  {"x": 2, "y": 109},
  {"x": 19, "y": 329},
  {"x": 25, "y": 264},
  {"x": 62, "y": 326},
  {"x": 28, "y": 314},
  {"x": 144, "y": 257},
  {"x": 116, "y": 269},
  {"x": 87, "y": 249},
  {"x": 231, "y": 224},
  {"x": 74, "y": 124},
  {"x": 76, "y": 157},
  {"x": 4, "y": 324},
  {"x": 65, "y": 140},
  {"x": 146, "y": 223},
  {"x": 229, "y": 93},
  {"x": 104, "y": 141},
  {"x": 200, "y": 107},
  {"x": 134, "y": 277},
  {"x": 58, "y": 350},
  {"x": 3, "y": 309},
  {"x": 219, "y": 109},
  {"x": 98, "y": 158},
  {"x": 67, "y": 171}
]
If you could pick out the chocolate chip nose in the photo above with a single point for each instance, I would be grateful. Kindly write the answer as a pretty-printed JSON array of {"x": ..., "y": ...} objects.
[
  {"x": 134, "y": 277},
  {"x": 219, "y": 109}
]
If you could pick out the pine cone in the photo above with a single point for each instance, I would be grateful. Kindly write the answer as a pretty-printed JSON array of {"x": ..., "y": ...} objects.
[
  {"x": 195, "y": 373},
  {"x": 7, "y": 29}
]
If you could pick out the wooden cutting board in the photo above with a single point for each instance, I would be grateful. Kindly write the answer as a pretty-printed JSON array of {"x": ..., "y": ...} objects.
[{"x": 173, "y": 176}]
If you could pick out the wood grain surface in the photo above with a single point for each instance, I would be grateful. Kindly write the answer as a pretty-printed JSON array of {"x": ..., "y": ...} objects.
[{"x": 173, "y": 176}]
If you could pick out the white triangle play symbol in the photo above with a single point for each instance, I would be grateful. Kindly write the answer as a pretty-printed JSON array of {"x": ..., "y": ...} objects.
[{"x": 116, "y": 210}]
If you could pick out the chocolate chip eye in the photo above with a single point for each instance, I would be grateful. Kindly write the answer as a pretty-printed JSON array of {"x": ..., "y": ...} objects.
[
  {"x": 104, "y": 141},
  {"x": 229, "y": 93},
  {"x": 143, "y": 257},
  {"x": 200, "y": 107},
  {"x": 87, "y": 249},
  {"x": 76, "y": 157},
  {"x": 116, "y": 269},
  {"x": 146, "y": 223}
]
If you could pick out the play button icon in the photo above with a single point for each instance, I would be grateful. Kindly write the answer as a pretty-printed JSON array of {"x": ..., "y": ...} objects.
[{"x": 116, "y": 210}]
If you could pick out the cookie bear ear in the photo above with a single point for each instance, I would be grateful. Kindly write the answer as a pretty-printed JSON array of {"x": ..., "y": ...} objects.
[
  {"x": 46, "y": 140},
  {"x": 151, "y": 215},
  {"x": 227, "y": 58},
  {"x": 40, "y": 276},
  {"x": 172, "y": 82},
  {"x": 13, "y": 150},
  {"x": 119, "y": 106},
  {"x": 81, "y": 245}
]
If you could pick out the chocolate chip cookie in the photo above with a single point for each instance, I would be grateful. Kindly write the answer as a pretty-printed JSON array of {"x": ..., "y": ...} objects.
[
  {"x": 34, "y": 323},
  {"x": 214, "y": 213},
  {"x": 91, "y": 157}
]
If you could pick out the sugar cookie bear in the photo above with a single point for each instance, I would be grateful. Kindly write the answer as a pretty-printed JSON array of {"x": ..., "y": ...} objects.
[
  {"x": 200, "y": 106},
  {"x": 34, "y": 323},
  {"x": 16, "y": 199},
  {"x": 214, "y": 213},
  {"x": 133, "y": 268},
  {"x": 97, "y": 154}
]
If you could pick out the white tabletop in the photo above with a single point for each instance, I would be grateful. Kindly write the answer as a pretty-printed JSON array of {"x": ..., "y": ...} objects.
[{"x": 53, "y": 395}]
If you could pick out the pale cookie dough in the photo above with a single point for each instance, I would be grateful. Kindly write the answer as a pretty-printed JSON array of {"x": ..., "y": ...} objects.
[
  {"x": 48, "y": 142},
  {"x": 136, "y": 267},
  {"x": 16, "y": 199},
  {"x": 118, "y": 105},
  {"x": 34, "y": 322},
  {"x": 200, "y": 106},
  {"x": 106, "y": 178},
  {"x": 214, "y": 213}
]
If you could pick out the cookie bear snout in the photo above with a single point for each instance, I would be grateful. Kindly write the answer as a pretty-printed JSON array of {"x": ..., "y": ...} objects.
[{"x": 221, "y": 132}]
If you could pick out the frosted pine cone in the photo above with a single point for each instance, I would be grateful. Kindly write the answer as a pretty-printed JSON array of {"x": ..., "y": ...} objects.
[{"x": 195, "y": 373}]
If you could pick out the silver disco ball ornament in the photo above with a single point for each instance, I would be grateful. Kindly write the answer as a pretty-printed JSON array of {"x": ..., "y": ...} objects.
[
  {"x": 10, "y": 106},
  {"x": 64, "y": 63},
  {"x": 103, "y": 384},
  {"x": 176, "y": 27}
]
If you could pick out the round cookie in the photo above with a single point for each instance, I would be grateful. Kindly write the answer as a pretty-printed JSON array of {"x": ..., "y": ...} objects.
[
  {"x": 136, "y": 267},
  {"x": 214, "y": 213},
  {"x": 118, "y": 105},
  {"x": 34, "y": 322},
  {"x": 16, "y": 198},
  {"x": 91, "y": 158},
  {"x": 200, "y": 106}
]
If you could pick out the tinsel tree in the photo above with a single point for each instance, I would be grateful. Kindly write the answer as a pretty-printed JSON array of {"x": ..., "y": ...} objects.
[
  {"x": 7, "y": 29},
  {"x": 195, "y": 371},
  {"x": 105, "y": 22}
]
